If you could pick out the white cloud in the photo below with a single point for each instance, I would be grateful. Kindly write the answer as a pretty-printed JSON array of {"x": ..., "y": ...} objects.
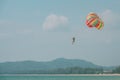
[
  {"x": 111, "y": 26},
  {"x": 110, "y": 18},
  {"x": 52, "y": 21}
]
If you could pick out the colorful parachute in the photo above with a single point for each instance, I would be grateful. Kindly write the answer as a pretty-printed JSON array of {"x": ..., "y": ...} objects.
[{"x": 93, "y": 20}]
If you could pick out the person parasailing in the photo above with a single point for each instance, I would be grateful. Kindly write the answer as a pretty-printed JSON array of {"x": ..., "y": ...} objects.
[{"x": 73, "y": 40}]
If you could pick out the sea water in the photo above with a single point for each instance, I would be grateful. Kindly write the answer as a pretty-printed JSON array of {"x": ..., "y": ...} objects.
[{"x": 57, "y": 77}]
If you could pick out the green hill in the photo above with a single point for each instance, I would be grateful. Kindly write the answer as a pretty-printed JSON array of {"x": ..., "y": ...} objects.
[{"x": 34, "y": 66}]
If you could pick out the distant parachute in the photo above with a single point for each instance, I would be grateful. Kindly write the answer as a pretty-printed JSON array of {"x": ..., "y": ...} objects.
[{"x": 93, "y": 20}]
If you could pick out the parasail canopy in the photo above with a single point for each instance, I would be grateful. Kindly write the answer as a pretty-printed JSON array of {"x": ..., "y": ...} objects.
[{"x": 93, "y": 20}]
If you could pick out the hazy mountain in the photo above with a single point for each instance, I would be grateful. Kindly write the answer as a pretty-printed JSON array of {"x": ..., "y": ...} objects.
[{"x": 21, "y": 66}]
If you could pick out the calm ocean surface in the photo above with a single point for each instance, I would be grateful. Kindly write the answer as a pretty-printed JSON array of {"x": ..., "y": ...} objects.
[{"x": 56, "y": 77}]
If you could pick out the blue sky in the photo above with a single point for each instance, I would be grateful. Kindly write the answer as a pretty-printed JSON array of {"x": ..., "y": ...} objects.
[{"x": 42, "y": 30}]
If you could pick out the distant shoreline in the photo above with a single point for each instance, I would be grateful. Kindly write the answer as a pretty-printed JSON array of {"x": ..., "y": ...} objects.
[{"x": 59, "y": 74}]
